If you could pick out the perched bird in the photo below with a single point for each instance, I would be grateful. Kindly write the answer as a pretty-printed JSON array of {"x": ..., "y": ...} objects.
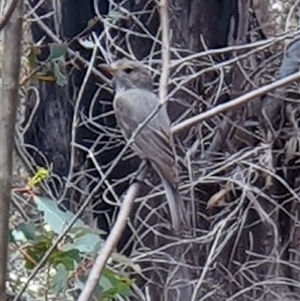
[{"x": 134, "y": 101}]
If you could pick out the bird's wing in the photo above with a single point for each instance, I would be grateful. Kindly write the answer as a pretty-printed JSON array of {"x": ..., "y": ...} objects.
[
  {"x": 156, "y": 147},
  {"x": 154, "y": 141}
]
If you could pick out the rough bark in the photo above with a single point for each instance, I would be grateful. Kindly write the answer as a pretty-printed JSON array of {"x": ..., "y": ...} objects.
[{"x": 9, "y": 102}]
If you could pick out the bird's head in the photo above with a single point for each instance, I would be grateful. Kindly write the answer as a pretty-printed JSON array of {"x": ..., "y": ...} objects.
[{"x": 128, "y": 74}]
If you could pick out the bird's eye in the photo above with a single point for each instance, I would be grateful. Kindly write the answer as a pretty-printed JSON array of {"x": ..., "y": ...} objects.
[{"x": 128, "y": 70}]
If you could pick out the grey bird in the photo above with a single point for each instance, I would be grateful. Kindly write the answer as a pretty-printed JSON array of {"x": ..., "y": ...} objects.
[{"x": 134, "y": 101}]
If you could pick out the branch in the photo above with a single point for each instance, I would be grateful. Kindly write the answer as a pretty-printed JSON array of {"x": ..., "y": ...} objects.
[
  {"x": 164, "y": 19},
  {"x": 8, "y": 14},
  {"x": 113, "y": 238},
  {"x": 235, "y": 103},
  {"x": 10, "y": 77},
  {"x": 71, "y": 52},
  {"x": 124, "y": 213}
]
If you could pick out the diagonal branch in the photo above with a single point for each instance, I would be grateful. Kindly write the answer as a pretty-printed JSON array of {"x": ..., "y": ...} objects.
[
  {"x": 235, "y": 103},
  {"x": 119, "y": 226}
]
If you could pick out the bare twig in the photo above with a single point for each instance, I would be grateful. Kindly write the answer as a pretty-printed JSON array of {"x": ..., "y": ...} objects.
[
  {"x": 118, "y": 228},
  {"x": 163, "y": 83},
  {"x": 112, "y": 239},
  {"x": 10, "y": 96},
  {"x": 71, "y": 52},
  {"x": 242, "y": 100},
  {"x": 74, "y": 219}
]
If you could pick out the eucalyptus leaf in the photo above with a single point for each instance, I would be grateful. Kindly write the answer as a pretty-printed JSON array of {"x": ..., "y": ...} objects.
[
  {"x": 120, "y": 285},
  {"x": 28, "y": 230},
  {"x": 57, "y": 50},
  {"x": 17, "y": 235},
  {"x": 61, "y": 79},
  {"x": 105, "y": 283},
  {"x": 59, "y": 282},
  {"x": 88, "y": 244},
  {"x": 55, "y": 217}
]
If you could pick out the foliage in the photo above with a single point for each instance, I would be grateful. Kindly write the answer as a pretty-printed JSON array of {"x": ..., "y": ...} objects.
[
  {"x": 52, "y": 69},
  {"x": 73, "y": 257}
]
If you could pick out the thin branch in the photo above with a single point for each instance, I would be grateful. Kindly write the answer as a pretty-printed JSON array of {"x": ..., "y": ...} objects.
[
  {"x": 163, "y": 83},
  {"x": 10, "y": 76},
  {"x": 73, "y": 220},
  {"x": 112, "y": 239},
  {"x": 118, "y": 228},
  {"x": 71, "y": 52},
  {"x": 235, "y": 103}
]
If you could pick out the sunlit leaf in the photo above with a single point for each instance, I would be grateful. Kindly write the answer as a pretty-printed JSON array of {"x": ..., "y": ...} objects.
[
  {"x": 41, "y": 174},
  {"x": 11, "y": 236},
  {"x": 88, "y": 244},
  {"x": 18, "y": 235},
  {"x": 54, "y": 217},
  {"x": 60, "y": 280}
]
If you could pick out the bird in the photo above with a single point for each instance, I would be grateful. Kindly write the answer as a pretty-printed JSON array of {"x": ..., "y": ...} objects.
[{"x": 133, "y": 102}]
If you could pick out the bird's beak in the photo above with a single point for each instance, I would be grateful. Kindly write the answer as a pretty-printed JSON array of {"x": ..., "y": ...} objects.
[{"x": 107, "y": 69}]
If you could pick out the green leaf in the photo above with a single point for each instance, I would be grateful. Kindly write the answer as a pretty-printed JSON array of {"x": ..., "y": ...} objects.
[
  {"x": 88, "y": 244},
  {"x": 80, "y": 283},
  {"x": 65, "y": 258},
  {"x": 84, "y": 239},
  {"x": 32, "y": 58},
  {"x": 36, "y": 251},
  {"x": 28, "y": 230},
  {"x": 54, "y": 217},
  {"x": 57, "y": 50},
  {"x": 105, "y": 284},
  {"x": 11, "y": 236},
  {"x": 115, "y": 285},
  {"x": 60, "y": 280},
  {"x": 54, "y": 67},
  {"x": 18, "y": 235},
  {"x": 61, "y": 79}
]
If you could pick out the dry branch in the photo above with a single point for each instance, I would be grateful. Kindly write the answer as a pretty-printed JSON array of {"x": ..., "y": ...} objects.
[
  {"x": 112, "y": 239},
  {"x": 235, "y": 103},
  {"x": 119, "y": 226}
]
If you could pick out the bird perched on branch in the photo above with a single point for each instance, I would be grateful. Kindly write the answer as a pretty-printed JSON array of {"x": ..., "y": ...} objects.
[{"x": 134, "y": 101}]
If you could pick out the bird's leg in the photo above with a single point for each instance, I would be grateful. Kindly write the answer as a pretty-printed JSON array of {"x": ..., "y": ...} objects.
[{"x": 141, "y": 171}]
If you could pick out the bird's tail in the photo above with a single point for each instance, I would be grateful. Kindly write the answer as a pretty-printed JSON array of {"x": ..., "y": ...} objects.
[{"x": 177, "y": 210}]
